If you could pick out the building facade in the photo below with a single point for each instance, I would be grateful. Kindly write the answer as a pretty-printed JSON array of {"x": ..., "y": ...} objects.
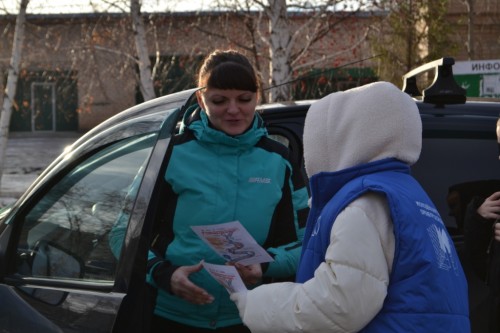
[{"x": 78, "y": 70}]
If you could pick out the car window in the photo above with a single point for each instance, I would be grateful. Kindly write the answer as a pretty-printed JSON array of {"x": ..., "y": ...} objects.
[
  {"x": 455, "y": 169},
  {"x": 74, "y": 219}
]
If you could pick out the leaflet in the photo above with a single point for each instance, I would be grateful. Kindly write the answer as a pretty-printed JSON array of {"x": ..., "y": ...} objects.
[
  {"x": 233, "y": 243},
  {"x": 227, "y": 276}
]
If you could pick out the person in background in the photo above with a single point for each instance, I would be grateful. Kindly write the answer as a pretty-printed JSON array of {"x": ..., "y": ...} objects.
[
  {"x": 482, "y": 244},
  {"x": 223, "y": 167},
  {"x": 481, "y": 213},
  {"x": 376, "y": 255}
]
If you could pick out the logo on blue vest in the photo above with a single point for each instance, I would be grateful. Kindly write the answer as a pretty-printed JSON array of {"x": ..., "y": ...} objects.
[{"x": 442, "y": 248}]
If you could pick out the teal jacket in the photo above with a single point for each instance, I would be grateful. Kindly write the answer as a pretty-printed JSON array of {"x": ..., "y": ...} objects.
[{"x": 214, "y": 178}]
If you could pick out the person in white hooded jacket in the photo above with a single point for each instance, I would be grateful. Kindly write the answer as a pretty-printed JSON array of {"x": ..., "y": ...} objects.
[{"x": 376, "y": 255}]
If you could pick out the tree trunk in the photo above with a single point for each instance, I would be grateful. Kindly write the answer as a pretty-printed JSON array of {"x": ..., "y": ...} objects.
[
  {"x": 10, "y": 89},
  {"x": 280, "y": 51},
  {"x": 145, "y": 76},
  {"x": 470, "y": 29}
]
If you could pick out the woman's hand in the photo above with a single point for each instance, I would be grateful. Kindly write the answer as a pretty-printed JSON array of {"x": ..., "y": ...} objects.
[
  {"x": 185, "y": 289},
  {"x": 490, "y": 209},
  {"x": 251, "y": 274}
]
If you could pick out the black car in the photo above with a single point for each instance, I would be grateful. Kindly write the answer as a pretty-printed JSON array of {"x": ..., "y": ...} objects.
[{"x": 57, "y": 270}]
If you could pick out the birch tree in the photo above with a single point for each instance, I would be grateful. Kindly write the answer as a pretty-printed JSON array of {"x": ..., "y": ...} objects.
[
  {"x": 289, "y": 44},
  {"x": 469, "y": 43},
  {"x": 146, "y": 69},
  {"x": 480, "y": 18},
  {"x": 280, "y": 49},
  {"x": 145, "y": 73},
  {"x": 285, "y": 31},
  {"x": 10, "y": 89}
]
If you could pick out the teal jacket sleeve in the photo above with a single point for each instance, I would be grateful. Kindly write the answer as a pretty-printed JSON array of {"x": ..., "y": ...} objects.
[{"x": 295, "y": 210}]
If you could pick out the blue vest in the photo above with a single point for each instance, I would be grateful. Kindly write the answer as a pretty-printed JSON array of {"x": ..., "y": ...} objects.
[{"x": 427, "y": 290}]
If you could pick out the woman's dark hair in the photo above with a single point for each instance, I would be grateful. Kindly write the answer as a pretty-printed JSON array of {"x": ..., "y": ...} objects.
[{"x": 228, "y": 70}]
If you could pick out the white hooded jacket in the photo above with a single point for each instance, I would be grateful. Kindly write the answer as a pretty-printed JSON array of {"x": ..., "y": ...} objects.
[{"x": 344, "y": 129}]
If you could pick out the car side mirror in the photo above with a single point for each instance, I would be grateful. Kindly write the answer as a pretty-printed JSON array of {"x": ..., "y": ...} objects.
[{"x": 50, "y": 261}]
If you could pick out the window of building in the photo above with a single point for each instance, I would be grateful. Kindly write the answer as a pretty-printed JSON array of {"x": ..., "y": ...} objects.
[{"x": 45, "y": 101}]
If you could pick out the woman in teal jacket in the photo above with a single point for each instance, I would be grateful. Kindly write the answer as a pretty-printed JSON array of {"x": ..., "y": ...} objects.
[{"x": 223, "y": 168}]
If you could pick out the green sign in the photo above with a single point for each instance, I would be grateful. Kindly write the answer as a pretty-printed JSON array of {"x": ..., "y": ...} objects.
[{"x": 479, "y": 78}]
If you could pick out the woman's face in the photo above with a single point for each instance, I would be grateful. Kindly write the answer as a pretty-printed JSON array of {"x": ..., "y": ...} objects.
[{"x": 229, "y": 111}]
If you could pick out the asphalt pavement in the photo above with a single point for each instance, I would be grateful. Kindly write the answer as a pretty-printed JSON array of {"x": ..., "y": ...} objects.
[{"x": 27, "y": 155}]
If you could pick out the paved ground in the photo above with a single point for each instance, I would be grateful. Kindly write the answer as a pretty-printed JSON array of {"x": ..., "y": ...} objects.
[{"x": 26, "y": 157}]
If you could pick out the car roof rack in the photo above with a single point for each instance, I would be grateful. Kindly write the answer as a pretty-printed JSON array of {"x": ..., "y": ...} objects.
[{"x": 443, "y": 90}]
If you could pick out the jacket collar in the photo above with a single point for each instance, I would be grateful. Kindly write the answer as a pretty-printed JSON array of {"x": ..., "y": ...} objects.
[
  {"x": 324, "y": 185},
  {"x": 196, "y": 120}
]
